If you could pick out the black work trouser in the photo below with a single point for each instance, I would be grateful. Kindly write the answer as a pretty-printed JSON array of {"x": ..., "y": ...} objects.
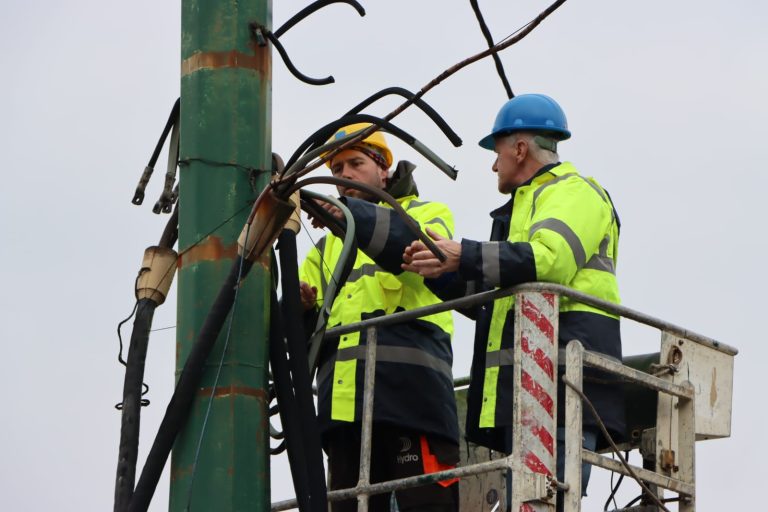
[{"x": 395, "y": 453}]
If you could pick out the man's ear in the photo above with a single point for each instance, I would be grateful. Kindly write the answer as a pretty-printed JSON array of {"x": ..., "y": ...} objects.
[{"x": 521, "y": 150}]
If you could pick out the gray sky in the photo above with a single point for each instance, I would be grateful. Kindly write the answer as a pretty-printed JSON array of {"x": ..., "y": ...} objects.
[{"x": 665, "y": 101}]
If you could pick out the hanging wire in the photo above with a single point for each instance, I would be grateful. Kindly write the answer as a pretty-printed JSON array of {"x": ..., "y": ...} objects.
[
  {"x": 216, "y": 380},
  {"x": 615, "y": 448},
  {"x": 612, "y": 496},
  {"x": 489, "y": 39},
  {"x": 145, "y": 402}
]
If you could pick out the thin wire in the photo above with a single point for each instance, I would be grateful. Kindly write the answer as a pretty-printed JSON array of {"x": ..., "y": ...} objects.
[
  {"x": 144, "y": 401},
  {"x": 119, "y": 336},
  {"x": 322, "y": 259},
  {"x": 612, "y": 496},
  {"x": 163, "y": 328},
  {"x": 216, "y": 380}
]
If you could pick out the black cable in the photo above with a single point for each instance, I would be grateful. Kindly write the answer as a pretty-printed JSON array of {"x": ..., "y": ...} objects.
[
  {"x": 312, "y": 8},
  {"x": 489, "y": 39},
  {"x": 293, "y": 328},
  {"x": 131, "y": 405},
  {"x": 321, "y": 135},
  {"x": 173, "y": 118},
  {"x": 288, "y": 407},
  {"x": 260, "y": 30},
  {"x": 183, "y": 396},
  {"x": 419, "y": 102},
  {"x": 614, "y": 489}
]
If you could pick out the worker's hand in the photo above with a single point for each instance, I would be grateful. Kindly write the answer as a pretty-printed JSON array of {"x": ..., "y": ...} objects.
[
  {"x": 317, "y": 223},
  {"x": 418, "y": 258},
  {"x": 308, "y": 295}
]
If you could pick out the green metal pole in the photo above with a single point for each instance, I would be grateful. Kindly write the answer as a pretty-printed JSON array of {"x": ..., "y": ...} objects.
[{"x": 225, "y": 141}]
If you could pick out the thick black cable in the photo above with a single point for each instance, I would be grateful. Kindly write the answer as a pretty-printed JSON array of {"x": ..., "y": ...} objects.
[
  {"x": 131, "y": 406},
  {"x": 288, "y": 406},
  {"x": 489, "y": 39},
  {"x": 312, "y": 8},
  {"x": 423, "y": 105},
  {"x": 173, "y": 118},
  {"x": 258, "y": 29},
  {"x": 183, "y": 396},
  {"x": 293, "y": 328},
  {"x": 323, "y": 134}
]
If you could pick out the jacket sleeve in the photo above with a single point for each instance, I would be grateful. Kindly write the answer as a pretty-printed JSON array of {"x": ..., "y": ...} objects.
[
  {"x": 383, "y": 235},
  {"x": 568, "y": 222}
]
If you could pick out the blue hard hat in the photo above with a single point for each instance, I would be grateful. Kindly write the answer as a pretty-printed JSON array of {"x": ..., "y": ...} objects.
[{"x": 530, "y": 113}]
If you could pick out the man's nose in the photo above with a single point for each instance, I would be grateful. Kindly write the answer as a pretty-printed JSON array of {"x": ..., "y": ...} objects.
[{"x": 495, "y": 165}]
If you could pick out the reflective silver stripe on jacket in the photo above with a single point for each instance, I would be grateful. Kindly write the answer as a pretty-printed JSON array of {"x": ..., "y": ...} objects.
[
  {"x": 601, "y": 260},
  {"x": 388, "y": 354},
  {"x": 547, "y": 184},
  {"x": 364, "y": 270},
  {"x": 438, "y": 220},
  {"x": 489, "y": 251},
  {"x": 562, "y": 229},
  {"x": 380, "y": 233}
]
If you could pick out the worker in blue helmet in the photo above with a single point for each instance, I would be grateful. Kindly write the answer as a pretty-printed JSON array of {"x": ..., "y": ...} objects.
[{"x": 557, "y": 227}]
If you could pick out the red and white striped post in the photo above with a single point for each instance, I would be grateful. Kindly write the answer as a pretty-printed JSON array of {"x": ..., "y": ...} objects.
[{"x": 535, "y": 404}]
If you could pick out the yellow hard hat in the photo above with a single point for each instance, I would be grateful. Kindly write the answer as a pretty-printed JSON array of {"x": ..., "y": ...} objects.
[{"x": 375, "y": 142}]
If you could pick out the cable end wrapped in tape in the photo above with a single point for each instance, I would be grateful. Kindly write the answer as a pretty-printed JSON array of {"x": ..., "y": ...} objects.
[
  {"x": 268, "y": 217},
  {"x": 156, "y": 276},
  {"x": 294, "y": 221}
]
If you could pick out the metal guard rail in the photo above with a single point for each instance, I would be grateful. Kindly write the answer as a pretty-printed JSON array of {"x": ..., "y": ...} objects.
[
  {"x": 584, "y": 298},
  {"x": 544, "y": 485}
]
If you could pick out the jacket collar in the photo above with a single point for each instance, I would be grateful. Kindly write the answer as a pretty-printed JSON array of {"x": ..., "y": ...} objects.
[{"x": 506, "y": 209}]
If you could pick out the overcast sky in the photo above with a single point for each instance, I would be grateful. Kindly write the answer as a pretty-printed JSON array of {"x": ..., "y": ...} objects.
[{"x": 666, "y": 102}]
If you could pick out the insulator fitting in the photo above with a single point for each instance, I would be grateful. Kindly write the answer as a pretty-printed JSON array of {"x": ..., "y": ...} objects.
[
  {"x": 267, "y": 219},
  {"x": 156, "y": 276},
  {"x": 294, "y": 222}
]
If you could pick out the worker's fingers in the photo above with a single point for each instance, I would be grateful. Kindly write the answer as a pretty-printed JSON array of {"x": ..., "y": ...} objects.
[
  {"x": 435, "y": 235},
  {"x": 308, "y": 295}
]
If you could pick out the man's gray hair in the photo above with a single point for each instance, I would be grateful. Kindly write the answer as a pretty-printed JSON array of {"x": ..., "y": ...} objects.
[{"x": 541, "y": 155}]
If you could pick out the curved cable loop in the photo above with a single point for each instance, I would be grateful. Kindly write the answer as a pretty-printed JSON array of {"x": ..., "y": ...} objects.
[
  {"x": 379, "y": 194},
  {"x": 326, "y": 131},
  {"x": 423, "y": 105},
  {"x": 489, "y": 39},
  {"x": 317, "y": 152},
  {"x": 311, "y": 9},
  {"x": 334, "y": 285},
  {"x": 260, "y": 32}
]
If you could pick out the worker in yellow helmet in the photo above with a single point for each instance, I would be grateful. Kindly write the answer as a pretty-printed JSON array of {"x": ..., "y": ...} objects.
[
  {"x": 558, "y": 227},
  {"x": 415, "y": 428}
]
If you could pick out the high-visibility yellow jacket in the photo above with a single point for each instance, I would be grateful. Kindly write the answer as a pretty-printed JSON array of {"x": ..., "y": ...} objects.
[
  {"x": 559, "y": 227},
  {"x": 414, "y": 381}
]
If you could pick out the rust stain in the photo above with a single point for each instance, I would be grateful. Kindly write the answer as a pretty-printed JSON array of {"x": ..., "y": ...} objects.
[
  {"x": 713, "y": 390},
  {"x": 221, "y": 391},
  {"x": 210, "y": 249},
  {"x": 180, "y": 472},
  {"x": 231, "y": 59}
]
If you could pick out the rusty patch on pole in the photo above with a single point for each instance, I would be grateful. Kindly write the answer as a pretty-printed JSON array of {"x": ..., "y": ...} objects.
[
  {"x": 230, "y": 59},
  {"x": 211, "y": 249},
  {"x": 234, "y": 390}
]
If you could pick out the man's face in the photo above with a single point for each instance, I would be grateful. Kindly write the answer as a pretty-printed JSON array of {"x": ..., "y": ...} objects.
[
  {"x": 509, "y": 166},
  {"x": 356, "y": 166}
]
